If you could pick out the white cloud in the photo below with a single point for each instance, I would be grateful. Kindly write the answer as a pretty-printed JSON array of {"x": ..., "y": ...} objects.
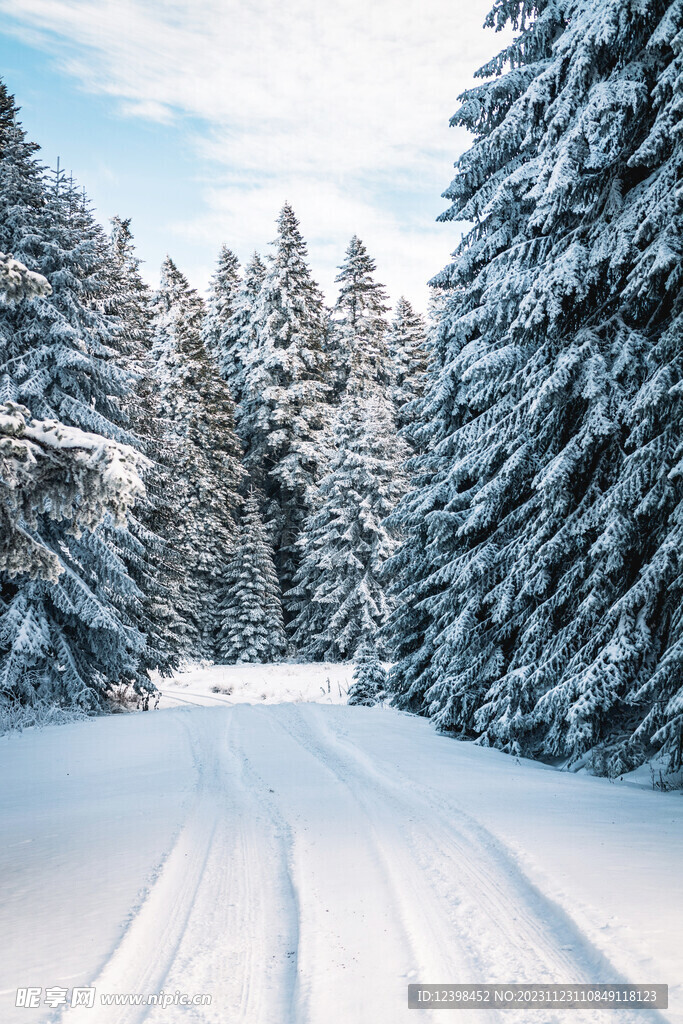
[{"x": 337, "y": 105}]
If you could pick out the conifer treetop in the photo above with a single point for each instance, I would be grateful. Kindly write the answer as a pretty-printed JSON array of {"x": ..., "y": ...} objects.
[
  {"x": 360, "y": 296},
  {"x": 291, "y": 307},
  {"x": 225, "y": 283},
  {"x": 358, "y": 324}
]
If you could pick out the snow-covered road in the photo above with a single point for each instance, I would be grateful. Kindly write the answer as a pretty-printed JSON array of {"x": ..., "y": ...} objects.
[{"x": 304, "y": 863}]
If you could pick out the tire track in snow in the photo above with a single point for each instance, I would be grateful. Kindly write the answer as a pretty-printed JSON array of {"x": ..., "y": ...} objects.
[
  {"x": 241, "y": 933},
  {"x": 308, "y": 884},
  {"x": 141, "y": 960},
  {"x": 219, "y": 918},
  {"x": 400, "y": 907},
  {"x": 205, "y": 960},
  {"x": 291, "y": 996},
  {"x": 208, "y": 699},
  {"x": 541, "y": 942}
]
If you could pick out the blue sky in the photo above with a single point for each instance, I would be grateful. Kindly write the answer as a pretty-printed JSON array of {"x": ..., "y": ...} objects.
[{"x": 198, "y": 118}]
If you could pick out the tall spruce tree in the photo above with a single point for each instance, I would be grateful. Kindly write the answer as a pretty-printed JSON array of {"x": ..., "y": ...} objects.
[
  {"x": 540, "y": 585},
  {"x": 144, "y": 545},
  {"x": 240, "y": 335},
  {"x": 220, "y": 306},
  {"x": 340, "y": 590},
  {"x": 358, "y": 324},
  {"x": 249, "y": 606},
  {"x": 282, "y": 409},
  {"x": 199, "y": 411},
  {"x": 409, "y": 360},
  {"x": 66, "y": 636},
  {"x": 129, "y": 298}
]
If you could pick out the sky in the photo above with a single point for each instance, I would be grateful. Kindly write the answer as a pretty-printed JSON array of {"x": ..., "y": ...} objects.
[{"x": 200, "y": 118}]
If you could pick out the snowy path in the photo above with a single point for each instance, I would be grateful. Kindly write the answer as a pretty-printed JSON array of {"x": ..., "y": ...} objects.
[{"x": 316, "y": 868}]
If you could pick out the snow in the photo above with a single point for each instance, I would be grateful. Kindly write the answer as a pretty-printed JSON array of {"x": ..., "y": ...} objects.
[
  {"x": 302, "y": 860},
  {"x": 118, "y": 465},
  {"x": 256, "y": 684},
  {"x": 17, "y": 282}
]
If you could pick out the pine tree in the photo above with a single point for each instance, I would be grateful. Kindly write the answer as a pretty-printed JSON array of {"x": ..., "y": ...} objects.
[
  {"x": 21, "y": 188},
  {"x": 61, "y": 351},
  {"x": 240, "y": 335},
  {"x": 282, "y": 408},
  {"x": 358, "y": 324},
  {"x": 206, "y": 453},
  {"x": 369, "y": 677},
  {"x": 340, "y": 591},
  {"x": 250, "y": 609},
  {"x": 73, "y": 479},
  {"x": 540, "y": 593},
  {"x": 64, "y": 634},
  {"x": 409, "y": 360},
  {"x": 45, "y": 466},
  {"x": 144, "y": 545},
  {"x": 220, "y": 309},
  {"x": 128, "y": 296}
]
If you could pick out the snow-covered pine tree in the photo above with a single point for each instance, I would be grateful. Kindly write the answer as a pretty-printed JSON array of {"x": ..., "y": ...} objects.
[
  {"x": 369, "y": 676},
  {"x": 129, "y": 297},
  {"x": 540, "y": 595},
  {"x": 240, "y": 335},
  {"x": 63, "y": 349},
  {"x": 64, "y": 636},
  {"x": 340, "y": 589},
  {"x": 144, "y": 545},
  {"x": 358, "y": 326},
  {"x": 409, "y": 359},
  {"x": 21, "y": 189},
  {"x": 45, "y": 466},
  {"x": 249, "y": 605},
  {"x": 199, "y": 410},
  {"x": 220, "y": 307},
  {"x": 282, "y": 409}
]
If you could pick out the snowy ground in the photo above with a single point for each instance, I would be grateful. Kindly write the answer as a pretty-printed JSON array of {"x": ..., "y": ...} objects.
[
  {"x": 257, "y": 684},
  {"x": 302, "y": 862}
]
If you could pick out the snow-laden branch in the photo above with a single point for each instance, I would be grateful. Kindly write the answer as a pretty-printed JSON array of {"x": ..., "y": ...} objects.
[
  {"x": 62, "y": 472},
  {"x": 17, "y": 282},
  {"x": 52, "y": 469}
]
